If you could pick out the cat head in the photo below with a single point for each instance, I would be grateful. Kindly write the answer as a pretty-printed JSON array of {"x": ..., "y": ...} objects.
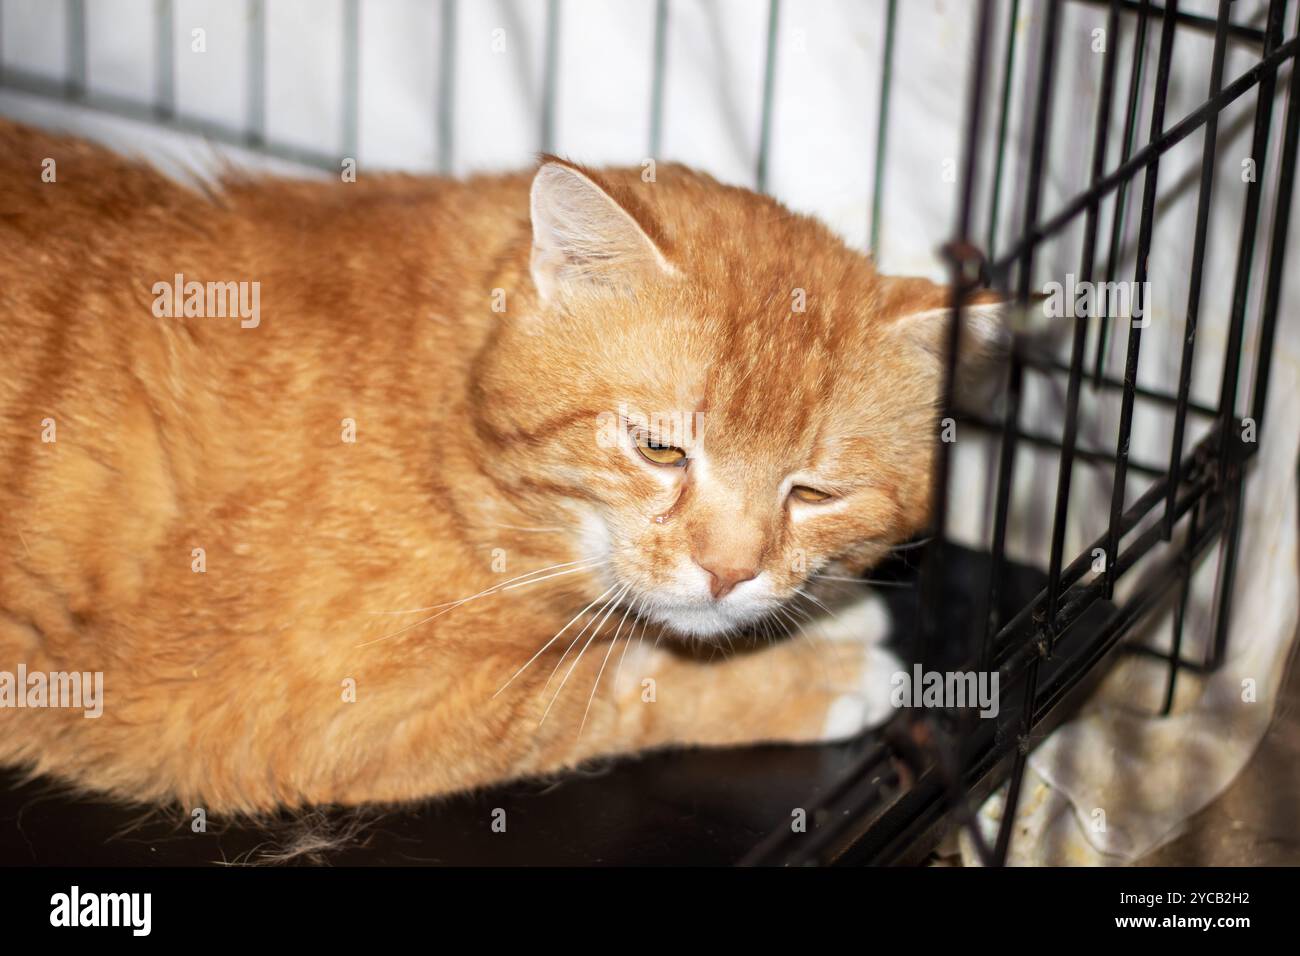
[{"x": 717, "y": 397}]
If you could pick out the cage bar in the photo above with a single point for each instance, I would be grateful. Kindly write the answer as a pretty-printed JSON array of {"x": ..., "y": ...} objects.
[
  {"x": 1004, "y": 113},
  {"x": 882, "y": 127},
  {"x": 550, "y": 76},
  {"x": 1145, "y": 226},
  {"x": 255, "y": 105},
  {"x": 1204, "y": 196},
  {"x": 445, "y": 118},
  {"x": 769, "y": 96},
  {"x": 660, "y": 58},
  {"x": 76, "y": 48},
  {"x": 1121, "y": 196},
  {"x": 348, "y": 136},
  {"x": 1006, "y": 467},
  {"x": 1065, "y": 468},
  {"x": 164, "y": 105},
  {"x": 961, "y": 256},
  {"x": 1229, "y": 431},
  {"x": 1277, "y": 250}
]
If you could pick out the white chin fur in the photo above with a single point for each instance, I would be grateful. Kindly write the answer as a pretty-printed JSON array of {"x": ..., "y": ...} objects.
[{"x": 695, "y": 620}]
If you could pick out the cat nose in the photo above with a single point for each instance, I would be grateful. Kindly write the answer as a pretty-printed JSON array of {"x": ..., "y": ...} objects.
[
  {"x": 724, "y": 578},
  {"x": 730, "y": 547}
]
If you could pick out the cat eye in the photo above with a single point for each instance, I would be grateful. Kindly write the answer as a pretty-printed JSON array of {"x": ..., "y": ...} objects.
[
  {"x": 655, "y": 453},
  {"x": 809, "y": 495}
]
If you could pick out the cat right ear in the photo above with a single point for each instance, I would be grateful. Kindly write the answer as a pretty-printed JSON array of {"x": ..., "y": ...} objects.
[
  {"x": 583, "y": 240},
  {"x": 986, "y": 335}
]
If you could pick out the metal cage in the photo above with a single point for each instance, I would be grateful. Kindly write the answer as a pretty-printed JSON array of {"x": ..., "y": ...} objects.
[{"x": 932, "y": 766}]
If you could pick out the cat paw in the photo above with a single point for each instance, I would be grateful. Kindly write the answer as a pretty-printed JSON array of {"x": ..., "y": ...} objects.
[
  {"x": 868, "y": 704},
  {"x": 863, "y": 700}
]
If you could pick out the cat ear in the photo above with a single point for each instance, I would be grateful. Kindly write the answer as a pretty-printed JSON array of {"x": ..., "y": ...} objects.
[
  {"x": 583, "y": 239},
  {"x": 987, "y": 330}
]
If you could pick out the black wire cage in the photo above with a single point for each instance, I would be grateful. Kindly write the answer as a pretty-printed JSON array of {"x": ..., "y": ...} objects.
[
  {"x": 932, "y": 767},
  {"x": 1046, "y": 636}
]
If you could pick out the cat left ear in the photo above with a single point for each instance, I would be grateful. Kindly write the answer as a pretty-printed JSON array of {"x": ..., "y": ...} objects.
[{"x": 583, "y": 240}]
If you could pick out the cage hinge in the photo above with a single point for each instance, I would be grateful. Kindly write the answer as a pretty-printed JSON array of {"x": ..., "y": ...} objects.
[{"x": 969, "y": 263}]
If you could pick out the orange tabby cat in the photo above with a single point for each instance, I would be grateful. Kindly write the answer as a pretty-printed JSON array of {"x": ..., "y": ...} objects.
[{"x": 370, "y": 491}]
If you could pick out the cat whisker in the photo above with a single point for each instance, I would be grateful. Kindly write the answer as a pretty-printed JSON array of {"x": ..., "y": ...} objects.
[
  {"x": 791, "y": 624},
  {"x": 515, "y": 527},
  {"x": 543, "y": 648},
  {"x": 873, "y": 581},
  {"x": 496, "y": 587},
  {"x": 771, "y": 630},
  {"x": 524, "y": 584},
  {"x": 628, "y": 643},
  {"x": 802, "y": 593},
  {"x": 613, "y": 643},
  {"x": 911, "y": 545},
  {"x": 645, "y": 623},
  {"x": 594, "y": 622},
  {"x": 496, "y": 590},
  {"x": 839, "y": 589},
  {"x": 610, "y": 608},
  {"x": 810, "y": 621},
  {"x": 817, "y": 651},
  {"x": 794, "y": 626}
]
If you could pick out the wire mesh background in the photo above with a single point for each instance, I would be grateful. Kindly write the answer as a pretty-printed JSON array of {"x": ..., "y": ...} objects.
[{"x": 287, "y": 77}]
